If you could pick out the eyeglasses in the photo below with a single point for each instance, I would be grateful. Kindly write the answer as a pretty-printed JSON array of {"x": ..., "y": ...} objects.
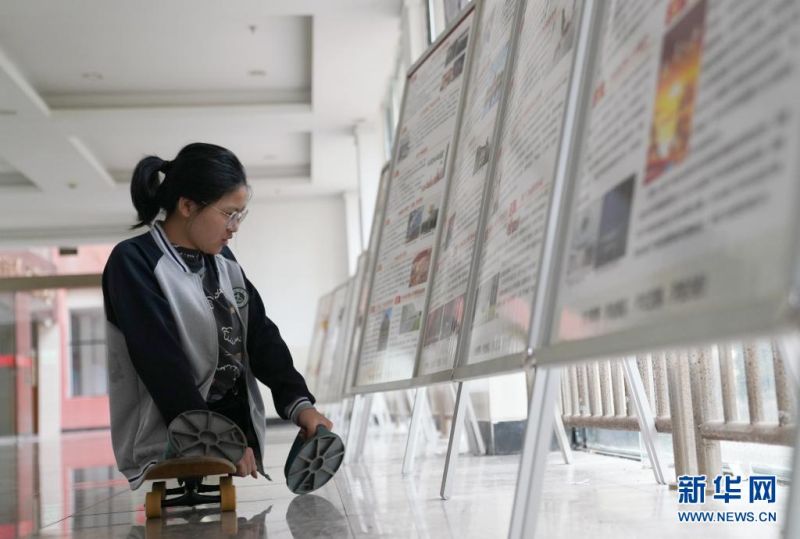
[{"x": 234, "y": 219}]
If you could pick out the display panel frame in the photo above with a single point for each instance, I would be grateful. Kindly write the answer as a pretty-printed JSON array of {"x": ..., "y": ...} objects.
[
  {"x": 473, "y": 10},
  {"x": 769, "y": 314}
]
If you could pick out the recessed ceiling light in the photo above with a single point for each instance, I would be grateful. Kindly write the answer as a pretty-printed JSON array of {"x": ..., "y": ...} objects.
[
  {"x": 92, "y": 75},
  {"x": 72, "y": 185},
  {"x": 257, "y": 73}
]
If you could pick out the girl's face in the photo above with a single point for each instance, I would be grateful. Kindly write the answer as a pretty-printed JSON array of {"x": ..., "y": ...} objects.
[{"x": 211, "y": 226}]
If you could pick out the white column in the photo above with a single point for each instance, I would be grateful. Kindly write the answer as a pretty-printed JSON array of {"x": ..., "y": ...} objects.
[
  {"x": 415, "y": 29},
  {"x": 369, "y": 153},
  {"x": 49, "y": 380},
  {"x": 439, "y": 23},
  {"x": 352, "y": 216}
]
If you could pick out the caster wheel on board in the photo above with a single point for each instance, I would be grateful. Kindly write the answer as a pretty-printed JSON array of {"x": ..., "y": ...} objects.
[
  {"x": 152, "y": 528},
  {"x": 230, "y": 523},
  {"x": 227, "y": 498},
  {"x": 160, "y": 486},
  {"x": 152, "y": 504}
]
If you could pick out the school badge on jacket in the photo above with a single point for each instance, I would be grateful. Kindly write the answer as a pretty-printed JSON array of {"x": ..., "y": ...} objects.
[{"x": 240, "y": 296}]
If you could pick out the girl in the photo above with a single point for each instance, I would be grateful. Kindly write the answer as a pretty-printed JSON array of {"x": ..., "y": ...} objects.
[{"x": 186, "y": 330}]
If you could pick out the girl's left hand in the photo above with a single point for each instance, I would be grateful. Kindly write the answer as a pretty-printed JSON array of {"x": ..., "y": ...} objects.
[
  {"x": 247, "y": 465},
  {"x": 309, "y": 419}
]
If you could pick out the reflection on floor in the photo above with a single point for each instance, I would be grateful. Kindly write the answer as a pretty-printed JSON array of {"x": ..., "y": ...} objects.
[{"x": 70, "y": 488}]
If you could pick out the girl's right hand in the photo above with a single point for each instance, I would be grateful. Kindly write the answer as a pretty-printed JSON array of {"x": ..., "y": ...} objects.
[{"x": 247, "y": 465}]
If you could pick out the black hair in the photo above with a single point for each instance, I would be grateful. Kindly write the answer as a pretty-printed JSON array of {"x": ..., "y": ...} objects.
[{"x": 200, "y": 172}]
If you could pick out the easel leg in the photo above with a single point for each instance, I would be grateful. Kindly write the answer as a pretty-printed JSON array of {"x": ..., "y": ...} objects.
[
  {"x": 428, "y": 424},
  {"x": 647, "y": 423},
  {"x": 453, "y": 445},
  {"x": 352, "y": 428},
  {"x": 790, "y": 349},
  {"x": 347, "y": 416},
  {"x": 362, "y": 410},
  {"x": 536, "y": 446},
  {"x": 561, "y": 436},
  {"x": 558, "y": 425},
  {"x": 475, "y": 439},
  {"x": 413, "y": 430}
]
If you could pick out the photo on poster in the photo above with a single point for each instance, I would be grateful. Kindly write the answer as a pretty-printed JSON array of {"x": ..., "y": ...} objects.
[
  {"x": 419, "y": 268},
  {"x": 433, "y": 326},
  {"x": 453, "y": 72},
  {"x": 676, "y": 93},
  {"x": 486, "y": 303},
  {"x": 404, "y": 148},
  {"x": 440, "y": 169},
  {"x": 452, "y": 317},
  {"x": 414, "y": 224},
  {"x": 564, "y": 27},
  {"x": 580, "y": 258},
  {"x": 495, "y": 88},
  {"x": 458, "y": 66},
  {"x": 447, "y": 78},
  {"x": 383, "y": 330},
  {"x": 481, "y": 157},
  {"x": 512, "y": 222},
  {"x": 409, "y": 318},
  {"x": 431, "y": 217},
  {"x": 448, "y": 237},
  {"x": 612, "y": 239},
  {"x": 457, "y": 47}
]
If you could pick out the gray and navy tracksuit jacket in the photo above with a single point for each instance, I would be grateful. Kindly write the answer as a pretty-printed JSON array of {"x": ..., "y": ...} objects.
[{"x": 163, "y": 348}]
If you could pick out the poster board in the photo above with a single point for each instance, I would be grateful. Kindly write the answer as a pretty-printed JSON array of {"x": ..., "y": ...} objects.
[
  {"x": 367, "y": 258},
  {"x": 474, "y": 148},
  {"x": 520, "y": 193},
  {"x": 318, "y": 334},
  {"x": 341, "y": 375},
  {"x": 397, "y": 291},
  {"x": 332, "y": 357},
  {"x": 682, "y": 221}
]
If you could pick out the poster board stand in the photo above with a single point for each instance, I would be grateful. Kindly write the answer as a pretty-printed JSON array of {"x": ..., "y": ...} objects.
[
  {"x": 547, "y": 380},
  {"x": 767, "y": 313},
  {"x": 414, "y": 427},
  {"x": 790, "y": 348},
  {"x": 647, "y": 422},
  {"x": 464, "y": 46},
  {"x": 421, "y": 413}
]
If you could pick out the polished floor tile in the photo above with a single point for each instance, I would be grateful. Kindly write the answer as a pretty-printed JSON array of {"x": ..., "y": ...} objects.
[{"x": 69, "y": 487}]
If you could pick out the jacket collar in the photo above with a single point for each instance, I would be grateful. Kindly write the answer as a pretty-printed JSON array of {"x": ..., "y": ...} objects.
[{"x": 160, "y": 237}]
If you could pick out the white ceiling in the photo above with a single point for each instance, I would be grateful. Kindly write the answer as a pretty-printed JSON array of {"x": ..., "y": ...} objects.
[{"x": 89, "y": 87}]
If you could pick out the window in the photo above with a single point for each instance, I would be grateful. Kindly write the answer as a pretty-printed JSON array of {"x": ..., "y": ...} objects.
[{"x": 88, "y": 353}]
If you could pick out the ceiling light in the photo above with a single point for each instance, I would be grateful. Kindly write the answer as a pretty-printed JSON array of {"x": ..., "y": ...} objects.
[
  {"x": 72, "y": 185},
  {"x": 257, "y": 73},
  {"x": 92, "y": 75}
]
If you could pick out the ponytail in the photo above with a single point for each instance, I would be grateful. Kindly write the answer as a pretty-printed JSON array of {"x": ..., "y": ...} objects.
[
  {"x": 144, "y": 189},
  {"x": 200, "y": 172}
]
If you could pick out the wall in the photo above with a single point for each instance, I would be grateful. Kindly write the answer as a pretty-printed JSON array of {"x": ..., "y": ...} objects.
[{"x": 294, "y": 251}]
